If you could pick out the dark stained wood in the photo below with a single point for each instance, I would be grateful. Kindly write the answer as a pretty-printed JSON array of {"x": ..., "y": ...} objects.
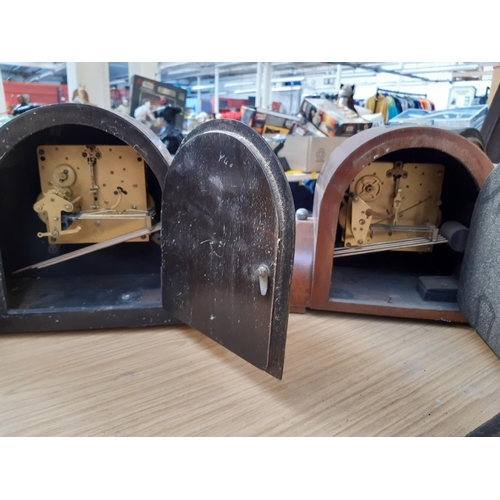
[{"x": 227, "y": 211}]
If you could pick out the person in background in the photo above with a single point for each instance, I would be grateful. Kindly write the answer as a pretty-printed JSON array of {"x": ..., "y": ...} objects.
[
  {"x": 24, "y": 105},
  {"x": 170, "y": 134},
  {"x": 124, "y": 107}
]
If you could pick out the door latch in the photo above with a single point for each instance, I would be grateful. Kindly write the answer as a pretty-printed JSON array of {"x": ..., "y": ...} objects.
[{"x": 263, "y": 273}]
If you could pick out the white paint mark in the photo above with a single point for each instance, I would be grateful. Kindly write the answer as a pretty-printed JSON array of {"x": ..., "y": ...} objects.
[
  {"x": 212, "y": 317},
  {"x": 212, "y": 243},
  {"x": 216, "y": 181}
]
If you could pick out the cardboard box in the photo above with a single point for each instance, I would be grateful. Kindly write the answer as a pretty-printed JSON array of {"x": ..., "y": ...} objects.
[
  {"x": 269, "y": 129},
  {"x": 332, "y": 119},
  {"x": 145, "y": 89},
  {"x": 309, "y": 154},
  {"x": 306, "y": 130},
  {"x": 263, "y": 117},
  {"x": 247, "y": 115}
]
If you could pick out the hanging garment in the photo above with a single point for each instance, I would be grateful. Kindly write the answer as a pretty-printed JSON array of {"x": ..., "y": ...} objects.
[
  {"x": 392, "y": 111},
  {"x": 380, "y": 107},
  {"x": 399, "y": 107}
]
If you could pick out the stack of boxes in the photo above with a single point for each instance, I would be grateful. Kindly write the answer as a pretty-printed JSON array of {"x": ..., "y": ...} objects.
[{"x": 312, "y": 135}]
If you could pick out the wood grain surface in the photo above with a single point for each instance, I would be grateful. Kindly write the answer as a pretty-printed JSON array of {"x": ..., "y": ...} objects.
[{"x": 344, "y": 375}]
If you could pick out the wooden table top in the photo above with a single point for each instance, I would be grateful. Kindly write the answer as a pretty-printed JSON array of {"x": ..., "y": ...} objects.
[{"x": 344, "y": 375}]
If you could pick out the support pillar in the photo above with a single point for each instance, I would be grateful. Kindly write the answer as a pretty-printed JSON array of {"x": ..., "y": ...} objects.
[
  {"x": 216, "y": 91},
  {"x": 144, "y": 69},
  {"x": 94, "y": 76},
  {"x": 258, "y": 86},
  {"x": 3, "y": 103},
  {"x": 198, "y": 92},
  {"x": 266, "y": 97},
  {"x": 337, "y": 79}
]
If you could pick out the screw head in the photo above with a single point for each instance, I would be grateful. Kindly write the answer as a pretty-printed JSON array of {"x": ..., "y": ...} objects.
[
  {"x": 98, "y": 223},
  {"x": 360, "y": 242}
]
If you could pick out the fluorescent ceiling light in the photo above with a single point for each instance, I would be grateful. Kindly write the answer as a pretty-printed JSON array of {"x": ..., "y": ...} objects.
[
  {"x": 202, "y": 87},
  {"x": 239, "y": 84},
  {"x": 286, "y": 89},
  {"x": 246, "y": 91},
  {"x": 438, "y": 69},
  {"x": 288, "y": 79}
]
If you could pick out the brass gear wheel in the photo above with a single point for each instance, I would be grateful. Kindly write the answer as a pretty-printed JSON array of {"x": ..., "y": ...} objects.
[
  {"x": 64, "y": 192},
  {"x": 42, "y": 215}
]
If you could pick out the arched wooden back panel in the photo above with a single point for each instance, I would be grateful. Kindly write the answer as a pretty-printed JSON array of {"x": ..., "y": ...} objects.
[{"x": 345, "y": 163}]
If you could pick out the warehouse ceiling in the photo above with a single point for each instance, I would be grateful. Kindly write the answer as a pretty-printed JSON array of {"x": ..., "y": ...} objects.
[{"x": 187, "y": 73}]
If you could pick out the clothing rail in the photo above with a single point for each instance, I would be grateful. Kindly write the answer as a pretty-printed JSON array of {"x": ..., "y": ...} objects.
[{"x": 397, "y": 92}]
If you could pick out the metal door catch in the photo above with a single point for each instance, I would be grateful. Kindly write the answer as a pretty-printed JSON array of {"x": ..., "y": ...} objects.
[{"x": 263, "y": 272}]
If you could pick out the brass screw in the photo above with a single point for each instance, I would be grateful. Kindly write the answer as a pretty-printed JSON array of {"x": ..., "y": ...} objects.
[
  {"x": 362, "y": 221},
  {"x": 360, "y": 242},
  {"x": 98, "y": 223}
]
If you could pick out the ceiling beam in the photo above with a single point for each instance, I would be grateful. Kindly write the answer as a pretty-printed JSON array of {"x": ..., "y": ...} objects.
[
  {"x": 57, "y": 69},
  {"x": 41, "y": 65},
  {"x": 379, "y": 69}
]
